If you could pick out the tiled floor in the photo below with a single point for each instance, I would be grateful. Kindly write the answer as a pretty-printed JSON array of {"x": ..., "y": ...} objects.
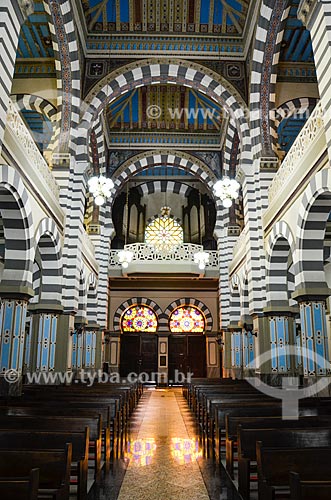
[{"x": 163, "y": 459}]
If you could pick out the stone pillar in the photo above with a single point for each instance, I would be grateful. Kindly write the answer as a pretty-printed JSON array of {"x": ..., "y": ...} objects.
[
  {"x": 226, "y": 361},
  {"x": 315, "y": 15},
  {"x": 13, "y": 15},
  {"x": 281, "y": 335},
  {"x": 236, "y": 351},
  {"x": 63, "y": 354},
  {"x": 213, "y": 356},
  {"x": 314, "y": 339},
  {"x": 44, "y": 336},
  {"x": 12, "y": 335},
  {"x": 163, "y": 358},
  {"x": 91, "y": 338}
]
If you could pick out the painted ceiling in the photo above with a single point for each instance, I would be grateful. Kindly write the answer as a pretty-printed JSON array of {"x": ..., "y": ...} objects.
[
  {"x": 35, "y": 40},
  {"x": 225, "y": 17},
  {"x": 164, "y": 108},
  {"x": 296, "y": 46}
]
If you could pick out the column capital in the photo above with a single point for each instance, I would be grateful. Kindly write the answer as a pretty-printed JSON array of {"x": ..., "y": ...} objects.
[
  {"x": 45, "y": 308},
  {"x": 14, "y": 292},
  {"x": 306, "y": 10},
  {"x": 92, "y": 327},
  {"x": 274, "y": 310},
  {"x": 311, "y": 294},
  {"x": 26, "y": 8}
]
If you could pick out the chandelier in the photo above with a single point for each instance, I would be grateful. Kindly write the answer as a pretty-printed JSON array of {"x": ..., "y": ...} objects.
[
  {"x": 100, "y": 187},
  {"x": 201, "y": 258},
  {"x": 228, "y": 190},
  {"x": 125, "y": 257},
  {"x": 164, "y": 234}
]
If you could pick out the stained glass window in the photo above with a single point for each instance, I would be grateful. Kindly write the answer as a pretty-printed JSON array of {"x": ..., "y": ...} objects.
[
  {"x": 164, "y": 234},
  {"x": 139, "y": 319},
  {"x": 187, "y": 319}
]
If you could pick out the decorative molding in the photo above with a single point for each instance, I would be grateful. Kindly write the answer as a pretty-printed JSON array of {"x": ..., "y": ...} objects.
[
  {"x": 304, "y": 140},
  {"x": 27, "y": 7},
  {"x": 306, "y": 10},
  {"x": 25, "y": 140}
]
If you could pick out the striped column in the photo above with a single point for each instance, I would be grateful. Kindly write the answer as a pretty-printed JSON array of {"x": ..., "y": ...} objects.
[
  {"x": 12, "y": 14},
  {"x": 12, "y": 335},
  {"x": 316, "y": 16}
]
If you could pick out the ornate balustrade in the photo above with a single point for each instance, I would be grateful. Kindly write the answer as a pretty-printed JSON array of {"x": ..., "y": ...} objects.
[
  {"x": 184, "y": 254},
  {"x": 31, "y": 152},
  {"x": 303, "y": 142}
]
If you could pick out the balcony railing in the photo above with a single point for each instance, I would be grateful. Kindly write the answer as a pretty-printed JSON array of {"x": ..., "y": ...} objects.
[
  {"x": 298, "y": 151},
  {"x": 30, "y": 149},
  {"x": 145, "y": 257}
]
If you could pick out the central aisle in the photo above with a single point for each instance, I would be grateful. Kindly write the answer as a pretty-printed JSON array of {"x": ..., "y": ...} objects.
[{"x": 162, "y": 451}]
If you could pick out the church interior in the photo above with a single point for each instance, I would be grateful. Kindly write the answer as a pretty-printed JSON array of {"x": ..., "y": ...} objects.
[{"x": 165, "y": 249}]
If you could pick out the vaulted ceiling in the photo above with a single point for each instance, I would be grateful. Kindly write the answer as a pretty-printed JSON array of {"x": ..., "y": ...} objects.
[{"x": 227, "y": 17}]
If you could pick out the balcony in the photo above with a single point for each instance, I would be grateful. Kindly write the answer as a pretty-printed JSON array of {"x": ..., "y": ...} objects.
[
  {"x": 20, "y": 147},
  {"x": 181, "y": 261},
  {"x": 302, "y": 161}
]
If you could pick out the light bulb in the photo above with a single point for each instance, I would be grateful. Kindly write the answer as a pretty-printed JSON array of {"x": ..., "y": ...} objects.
[
  {"x": 227, "y": 203},
  {"x": 125, "y": 265},
  {"x": 99, "y": 200},
  {"x": 201, "y": 266}
]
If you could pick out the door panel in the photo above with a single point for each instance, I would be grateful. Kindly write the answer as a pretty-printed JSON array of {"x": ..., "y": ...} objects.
[
  {"x": 138, "y": 354},
  {"x": 196, "y": 358}
]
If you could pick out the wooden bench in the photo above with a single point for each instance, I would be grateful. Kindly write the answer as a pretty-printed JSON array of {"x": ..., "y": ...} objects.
[
  {"x": 275, "y": 464},
  {"x": 65, "y": 424},
  {"x": 20, "y": 488},
  {"x": 290, "y": 437},
  {"x": 309, "y": 490},
  {"x": 54, "y": 469},
  {"x": 53, "y": 440}
]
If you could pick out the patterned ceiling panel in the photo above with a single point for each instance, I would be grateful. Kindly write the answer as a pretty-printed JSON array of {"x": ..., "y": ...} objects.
[
  {"x": 226, "y": 17},
  {"x": 164, "y": 108},
  {"x": 35, "y": 39},
  {"x": 296, "y": 46}
]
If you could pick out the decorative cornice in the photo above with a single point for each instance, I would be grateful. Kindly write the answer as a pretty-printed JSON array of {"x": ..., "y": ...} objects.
[
  {"x": 26, "y": 7},
  {"x": 306, "y": 10}
]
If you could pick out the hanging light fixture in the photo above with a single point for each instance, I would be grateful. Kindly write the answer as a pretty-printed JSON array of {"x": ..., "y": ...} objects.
[
  {"x": 125, "y": 256},
  {"x": 100, "y": 187},
  {"x": 228, "y": 190},
  {"x": 201, "y": 258}
]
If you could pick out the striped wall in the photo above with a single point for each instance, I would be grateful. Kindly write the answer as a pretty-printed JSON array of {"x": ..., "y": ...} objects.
[
  {"x": 19, "y": 232},
  {"x": 12, "y": 14},
  {"x": 35, "y": 103},
  {"x": 316, "y": 17}
]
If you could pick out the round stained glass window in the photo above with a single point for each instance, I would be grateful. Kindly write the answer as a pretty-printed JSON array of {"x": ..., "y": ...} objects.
[
  {"x": 139, "y": 319},
  {"x": 187, "y": 319},
  {"x": 164, "y": 234}
]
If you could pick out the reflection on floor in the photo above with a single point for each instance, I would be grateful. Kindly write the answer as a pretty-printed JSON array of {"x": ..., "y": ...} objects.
[{"x": 163, "y": 458}]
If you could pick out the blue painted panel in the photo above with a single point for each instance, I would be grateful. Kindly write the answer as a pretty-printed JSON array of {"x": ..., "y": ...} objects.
[
  {"x": 125, "y": 11},
  {"x": 204, "y": 13}
]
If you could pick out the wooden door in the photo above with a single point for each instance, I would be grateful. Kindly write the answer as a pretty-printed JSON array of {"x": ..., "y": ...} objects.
[
  {"x": 138, "y": 354},
  {"x": 177, "y": 355},
  {"x": 196, "y": 356}
]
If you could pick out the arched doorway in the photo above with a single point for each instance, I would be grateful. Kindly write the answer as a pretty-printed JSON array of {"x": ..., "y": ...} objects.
[
  {"x": 187, "y": 342},
  {"x": 138, "y": 352}
]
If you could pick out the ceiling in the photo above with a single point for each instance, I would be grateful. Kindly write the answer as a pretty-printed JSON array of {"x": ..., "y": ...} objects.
[
  {"x": 225, "y": 17},
  {"x": 296, "y": 46},
  {"x": 164, "y": 108},
  {"x": 35, "y": 39}
]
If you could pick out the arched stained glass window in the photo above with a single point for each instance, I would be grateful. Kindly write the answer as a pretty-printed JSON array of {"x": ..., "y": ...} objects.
[
  {"x": 187, "y": 319},
  {"x": 139, "y": 319}
]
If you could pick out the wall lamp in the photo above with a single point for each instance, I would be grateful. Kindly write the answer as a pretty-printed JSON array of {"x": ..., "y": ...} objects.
[{"x": 250, "y": 329}]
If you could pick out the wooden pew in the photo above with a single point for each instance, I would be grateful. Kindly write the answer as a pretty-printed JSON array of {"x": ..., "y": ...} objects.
[
  {"x": 289, "y": 437},
  {"x": 65, "y": 424},
  {"x": 20, "y": 488},
  {"x": 54, "y": 469},
  {"x": 275, "y": 464},
  {"x": 232, "y": 421},
  {"x": 53, "y": 440},
  {"x": 309, "y": 490}
]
